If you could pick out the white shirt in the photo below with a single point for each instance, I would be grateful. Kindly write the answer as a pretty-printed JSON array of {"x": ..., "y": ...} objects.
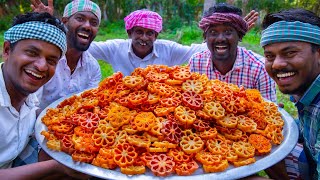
[
  {"x": 16, "y": 128},
  {"x": 86, "y": 75},
  {"x": 120, "y": 55}
]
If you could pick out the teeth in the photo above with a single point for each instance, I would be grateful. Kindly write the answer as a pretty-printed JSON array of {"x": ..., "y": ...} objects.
[
  {"x": 34, "y": 74},
  {"x": 143, "y": 44},
  {"x": 84, "y": 35},
  {"x": 283, "y": 75},
  {"x": 221, "y": 46}
]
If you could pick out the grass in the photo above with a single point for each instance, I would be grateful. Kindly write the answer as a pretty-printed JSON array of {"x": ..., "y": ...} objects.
[{"x": 185, "y": 35}]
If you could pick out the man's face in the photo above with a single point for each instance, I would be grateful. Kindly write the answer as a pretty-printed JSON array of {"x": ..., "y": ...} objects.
[
  {"x": 142, "y": 40},
  {"x": 82, "y": 29},
  {"x": 292, "y": 65},
  {"x": 222, "y": 41},
  {"x": 29, "y": 65}
]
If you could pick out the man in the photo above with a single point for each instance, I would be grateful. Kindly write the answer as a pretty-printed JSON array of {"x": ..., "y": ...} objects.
[
  {"x": 142, "y": 48},
  {"x": 223, "y": 27},
  {"x": 31, "y": 51},
  {"x": 291, "y": 44},
  {"x": 77, "y": 70}
]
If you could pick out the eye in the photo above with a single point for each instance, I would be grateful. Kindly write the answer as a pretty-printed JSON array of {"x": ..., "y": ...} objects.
[
  {"x": 228, "y": 32},
  {"x": 139, "y": 32},
  {"x": 290, "y": 53},
  {"x": 94, "y": 23},
  {"x": 52, "y": 61},
  {"x": 31, "y": 53},
  {"x": 79, "y": 18},
  {"x": 269, "y": 57},
  {"x": 150, "y": 33}
]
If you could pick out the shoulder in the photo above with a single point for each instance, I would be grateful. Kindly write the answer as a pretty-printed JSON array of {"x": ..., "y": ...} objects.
[{"x": 251, "y": 57}]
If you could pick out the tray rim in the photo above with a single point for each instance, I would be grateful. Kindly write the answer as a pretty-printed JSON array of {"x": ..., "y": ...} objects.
[{"x": 290, "y": 131}]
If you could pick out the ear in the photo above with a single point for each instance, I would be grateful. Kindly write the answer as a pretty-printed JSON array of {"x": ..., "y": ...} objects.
[
  {"x": 129, "y": 32},
  {"x": 6, "y": 51},
  {"x": 65, "y": 20},
  {"x": 156, "y": 35},
  {"x": 204, "y": 36}
]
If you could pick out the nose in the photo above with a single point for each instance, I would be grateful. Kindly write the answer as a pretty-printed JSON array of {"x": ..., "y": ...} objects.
[
  {"x": 220, "y": 37},
  {"x": 144, "y": 36},
  {"x": 86, "y": 24},
  {"x": 279, "y": 63},
  {"x": 41, "y": 64}
]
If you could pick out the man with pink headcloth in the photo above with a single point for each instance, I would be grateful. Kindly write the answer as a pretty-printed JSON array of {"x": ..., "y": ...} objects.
[
  {"x": 143, "y": 48},
  {"x": 223, "y": 27}
]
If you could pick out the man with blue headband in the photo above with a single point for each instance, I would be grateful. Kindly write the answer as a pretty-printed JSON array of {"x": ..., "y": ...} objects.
[
  {"x": 291, "y": 43},
  {"x": 31, "y": 50}
]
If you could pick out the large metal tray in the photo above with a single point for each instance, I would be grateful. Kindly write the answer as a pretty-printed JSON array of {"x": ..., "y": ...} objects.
[{"x": 290, "y": 132}]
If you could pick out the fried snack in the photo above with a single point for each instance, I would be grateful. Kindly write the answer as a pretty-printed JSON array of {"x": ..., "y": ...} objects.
[{"x": 167, "y": 119}]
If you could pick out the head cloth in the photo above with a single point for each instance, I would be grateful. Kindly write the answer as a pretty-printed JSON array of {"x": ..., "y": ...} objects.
[
  {"x": 232, "y": 19},
  {"x": 82, "y": 5},
  {"x": 37, "y": 30},
  {"x": 144, "y": 18},
  {"x": 285, "y": 31}
]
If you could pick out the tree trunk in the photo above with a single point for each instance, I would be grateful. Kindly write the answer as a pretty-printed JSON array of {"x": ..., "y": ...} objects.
[{"x": 207, "y": 4}]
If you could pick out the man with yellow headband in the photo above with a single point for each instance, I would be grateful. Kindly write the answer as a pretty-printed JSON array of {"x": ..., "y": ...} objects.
[
  {"x": 223, "y": 27},
  {"x": 31, "y": 50},
  {"x": 291, "y": 43}
]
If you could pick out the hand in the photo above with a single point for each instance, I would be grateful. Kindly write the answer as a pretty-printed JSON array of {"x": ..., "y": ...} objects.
[
  {"x": 72, "y": 173},
  {"x": 38, "y": 6},
  {"x": 251, "y": 18}
]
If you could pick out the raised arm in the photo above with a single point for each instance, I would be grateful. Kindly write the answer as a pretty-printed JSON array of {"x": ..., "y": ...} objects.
[
  {"x": 251, "y": 18},
  {"x": 38, "y": 6}
]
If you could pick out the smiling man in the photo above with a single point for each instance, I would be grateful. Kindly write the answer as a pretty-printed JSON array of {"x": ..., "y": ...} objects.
[
  {"x": 78, "y": 69},
  {"x": 223, "y": 27},
  {"x": 291, "y": 43},
  {"x": 31, "y": 51}
]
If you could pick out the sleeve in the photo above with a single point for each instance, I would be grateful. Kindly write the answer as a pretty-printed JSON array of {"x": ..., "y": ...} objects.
[
  {"x": 103, "y": 50},
  {"x": 95, "y": 74},
  {"x": 181, "y": 54}
]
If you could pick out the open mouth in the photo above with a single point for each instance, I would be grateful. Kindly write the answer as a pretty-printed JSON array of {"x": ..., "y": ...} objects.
[
  {"x": 142, "y": 43},
  {"x": 83, "y": 36},
  {"x": 221, "y": 48},
  {"x": 34, "y": 75},
  {"x": 285, "y": 75}
]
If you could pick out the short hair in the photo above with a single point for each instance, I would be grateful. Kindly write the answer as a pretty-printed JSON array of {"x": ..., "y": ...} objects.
[
  {"x": 291, "y": 15},
  {"x": 222, "y": 8}
]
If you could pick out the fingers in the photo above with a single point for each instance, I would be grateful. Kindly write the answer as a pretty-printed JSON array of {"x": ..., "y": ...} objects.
[
  {"x": 50, "y": 3},
  {"x": 246, "y": 18},
  {"x": 251, "y": 18}
]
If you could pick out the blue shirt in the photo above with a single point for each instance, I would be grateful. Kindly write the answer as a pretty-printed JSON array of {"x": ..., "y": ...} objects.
[{"x": 309, "y": 116}]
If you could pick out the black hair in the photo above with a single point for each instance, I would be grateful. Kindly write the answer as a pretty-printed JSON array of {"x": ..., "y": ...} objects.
[
  {"x": 35, "y": 16},
  {"x": 222, "y": 8},
  {"x": 291, "y": 15}
]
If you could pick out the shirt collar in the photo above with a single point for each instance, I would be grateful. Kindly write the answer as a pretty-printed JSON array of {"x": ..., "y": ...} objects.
[
  {"x": 5, "y": 100},
  {"x": 311, "y": 93},
  {"x": 153, "y": 53},
  {"x": 238, "y": 64}
]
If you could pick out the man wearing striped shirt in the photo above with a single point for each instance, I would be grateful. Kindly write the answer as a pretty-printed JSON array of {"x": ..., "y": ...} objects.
[{"x": 223, "y": 27}]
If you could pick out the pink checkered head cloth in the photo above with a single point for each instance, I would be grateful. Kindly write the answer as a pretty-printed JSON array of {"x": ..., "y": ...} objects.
[
  {"x": 82, "y": 5},
  {"x": 144, "y": 18}
]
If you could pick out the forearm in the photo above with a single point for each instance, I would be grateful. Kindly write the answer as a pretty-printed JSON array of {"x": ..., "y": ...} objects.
[{"x": 32, "y": 171}]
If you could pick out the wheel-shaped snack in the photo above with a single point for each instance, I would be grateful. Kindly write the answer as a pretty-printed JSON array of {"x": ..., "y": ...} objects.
[
  {"x": 186, "y": 168},
  {"x": 144, "y": 121},
  {"x": 67, "y": 145},
  {"x": 260, "y": 143},
  {"x": 104, "y": 136},
  {"x": 185, "y": 116},
  {"x": 133, "y": 81},
  {"x": 246, "y": 124},
  {"x": 243, "y": 149},
  {"x": 139, "y": 141},
  {"x": 171, "y": 132},
  {"x": 182, "y": 73},
  {"x": 170, "y": 102},
  {"x": 275, "y": 120},
  {"x": 162, "y": 165},
  {"x": 192, "y": 100},
  {"x": 138, "y": 97},
  {"x": 133, "y": 170},
  {"x": 217, "y": 146},
  {"x": 179, "y": 155},
  {"x": 274, "y": 133},
  {"x": 201, "y": 125},
  {"x": 157, "y": 77},
  {"x": 229, "y": 121},
  {"x": 191, "y": 144},
  {"x": 214, "y": 110},
  {"x": 192, "y": 85},
  {"x": 208, "y": 134},
  {"x": 89, "y": 122},
  {"x": 124, "y": 154},
  {"x": 208, "y": 158},
  {"x": 82, "y": 156},
  {"x": 223, "y": 165}
]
